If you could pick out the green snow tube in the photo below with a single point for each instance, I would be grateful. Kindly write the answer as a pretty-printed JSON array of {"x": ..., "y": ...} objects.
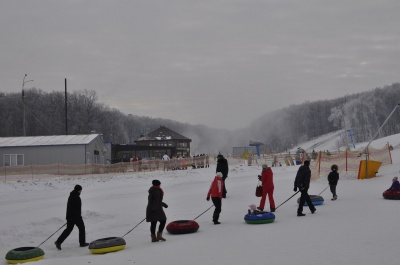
[{"x": 24, "y": 254}]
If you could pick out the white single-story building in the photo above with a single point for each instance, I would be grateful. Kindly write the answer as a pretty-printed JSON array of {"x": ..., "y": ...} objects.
[{"x": 45, "y": 150}]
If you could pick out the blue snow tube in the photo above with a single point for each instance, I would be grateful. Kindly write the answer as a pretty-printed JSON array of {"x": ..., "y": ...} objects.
[
  {"x": 315, "y": 199},
  {"x": 260, "y": 218}
]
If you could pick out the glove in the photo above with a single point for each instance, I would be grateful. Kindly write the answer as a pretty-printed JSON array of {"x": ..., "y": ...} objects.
[
  {"x": 208, "y": 198},
  {"x": 259, "y": 177},
  {"x": 295, "y": 189},
  {"x": 164, "y": 205}
]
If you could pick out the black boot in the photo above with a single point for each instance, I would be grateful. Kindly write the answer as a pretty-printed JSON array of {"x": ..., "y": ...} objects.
[{"x": 58, "y": 245}]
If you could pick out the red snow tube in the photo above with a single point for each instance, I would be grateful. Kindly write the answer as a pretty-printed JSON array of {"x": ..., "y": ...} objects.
[
  {"x": 391, "y": 194},
  {"x": 182, "y": 227}
]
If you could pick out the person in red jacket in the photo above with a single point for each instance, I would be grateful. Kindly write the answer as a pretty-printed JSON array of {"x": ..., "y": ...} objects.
[
  {"x": 267, "y": 187},
  {"x": 216, "y": 191}
]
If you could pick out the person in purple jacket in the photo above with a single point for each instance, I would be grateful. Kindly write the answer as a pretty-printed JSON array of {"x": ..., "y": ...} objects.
[{"x": 395, "y": 185}]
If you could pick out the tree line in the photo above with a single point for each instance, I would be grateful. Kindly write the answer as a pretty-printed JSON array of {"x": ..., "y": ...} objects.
[
  {"x": 280, "y": 130},
  {"x": 361, "y": 114}
]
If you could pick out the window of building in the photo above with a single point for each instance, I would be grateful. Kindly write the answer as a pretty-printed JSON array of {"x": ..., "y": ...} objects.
[
  {"x": 182, "y": 144},
  {"x": 13, "y": 160}
]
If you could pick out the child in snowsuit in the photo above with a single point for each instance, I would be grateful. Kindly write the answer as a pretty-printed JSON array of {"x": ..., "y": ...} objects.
[
  {"x": 333, "y": 179},
  {"x": 395, "y": 185},
  {"x": 267, "y": 188},
  {"x": 216, "y": 191}
]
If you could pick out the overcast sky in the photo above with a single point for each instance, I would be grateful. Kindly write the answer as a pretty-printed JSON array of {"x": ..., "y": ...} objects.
[{"x": 221, "y": 63}]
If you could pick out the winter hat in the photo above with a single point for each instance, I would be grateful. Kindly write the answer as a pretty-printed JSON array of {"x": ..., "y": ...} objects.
[
  {"x": 395, "y": 178},
  {"x": 219, "y": 174},
  {"x": 220, "y": 156},
  {"x": 156, "y": 182},
  {"x": 265, "y": 166},
  {"x": 306, "y": 163},
  {"x": 78, "y": 188}
]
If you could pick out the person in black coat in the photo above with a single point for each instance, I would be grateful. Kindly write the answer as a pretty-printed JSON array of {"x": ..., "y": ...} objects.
[
  {"x": 302, "y": 182},
  {"x": 333, "y": 179},
  {"x": 155, "y": 212},
  {"x": 222, "y": 166},
  {"x": 74, "y": 217}
]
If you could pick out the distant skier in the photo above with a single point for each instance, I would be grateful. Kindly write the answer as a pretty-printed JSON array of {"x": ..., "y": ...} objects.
[
  {"x": 395, "y": 185},
  {"x": 302, "y": 182},
  {"x": 222, "y": 166},
  {"x": 74, "y": 217},
  {"x": 215, "y": 192},
  {"x": 333, "y": 179},
  {"x": 166, "y": 160}
]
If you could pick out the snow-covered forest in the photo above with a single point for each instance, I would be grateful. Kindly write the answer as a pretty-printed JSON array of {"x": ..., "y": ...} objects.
[{"x": 280, "y": 130}]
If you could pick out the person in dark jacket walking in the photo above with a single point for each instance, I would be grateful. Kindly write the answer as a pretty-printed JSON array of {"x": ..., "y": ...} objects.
[
  {"x": 302, "y": 182},
  {"x": 215, "y": 192},
  {"x": 333, "y": 179},
  {"x": 155, "y": 212},
  {"x": 74, "y": 217},
  {"x": 222, "y": 166}
]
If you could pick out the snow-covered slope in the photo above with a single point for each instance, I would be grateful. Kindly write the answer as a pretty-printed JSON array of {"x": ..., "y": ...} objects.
[
  {"x": 359, "y": 228},
  {"x": 333, "y": 141}
]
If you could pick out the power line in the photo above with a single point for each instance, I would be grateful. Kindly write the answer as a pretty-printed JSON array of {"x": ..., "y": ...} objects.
[{"x": 38, "y": 120}]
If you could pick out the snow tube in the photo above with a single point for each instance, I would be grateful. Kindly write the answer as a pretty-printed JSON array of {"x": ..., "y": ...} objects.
[
  {"x": 106, "y": 245},
  {"x": 261, "y": 218},
  {"x": 24, "y": 254},
  {"x": 391, "y": 195},
  {"x": 182, "y": 227},
  {"x": 315, "y": 199}
]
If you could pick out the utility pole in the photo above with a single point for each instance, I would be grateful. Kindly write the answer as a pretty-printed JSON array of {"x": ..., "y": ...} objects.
[
  {"x": 23, "y": 104},
  {"x": 66, "y": 109}
]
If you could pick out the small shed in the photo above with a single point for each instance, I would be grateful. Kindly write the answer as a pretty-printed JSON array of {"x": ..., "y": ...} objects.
[{"x": 45, "y": 150}]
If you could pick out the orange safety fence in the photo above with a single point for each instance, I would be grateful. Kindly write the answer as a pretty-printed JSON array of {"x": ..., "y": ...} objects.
[
  {"x": 10, "y": 172},
  {"x": 348, "y": 161}
]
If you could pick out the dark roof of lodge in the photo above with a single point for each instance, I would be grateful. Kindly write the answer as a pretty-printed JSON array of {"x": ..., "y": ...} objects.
[{"x": 163, "y": 133}]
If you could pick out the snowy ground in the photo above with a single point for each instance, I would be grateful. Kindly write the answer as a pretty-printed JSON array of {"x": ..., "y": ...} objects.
[{"x": 359, "y": 228}]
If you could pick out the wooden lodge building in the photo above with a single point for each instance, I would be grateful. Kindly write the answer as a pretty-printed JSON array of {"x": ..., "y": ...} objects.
[{"x": 153, "y": 146}]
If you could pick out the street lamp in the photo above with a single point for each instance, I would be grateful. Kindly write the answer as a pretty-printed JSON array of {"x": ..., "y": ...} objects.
[{"x": 23, "y": 104}]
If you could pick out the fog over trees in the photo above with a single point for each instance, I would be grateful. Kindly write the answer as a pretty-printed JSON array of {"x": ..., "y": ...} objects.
[{"x": 280, "y": 130}]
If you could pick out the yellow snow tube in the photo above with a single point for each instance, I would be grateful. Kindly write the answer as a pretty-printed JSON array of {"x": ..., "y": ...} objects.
[
  {"x": 24, "y": 254},
  {"x": 107, "y": 250},
  {"x": 106, "y": 245}
]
